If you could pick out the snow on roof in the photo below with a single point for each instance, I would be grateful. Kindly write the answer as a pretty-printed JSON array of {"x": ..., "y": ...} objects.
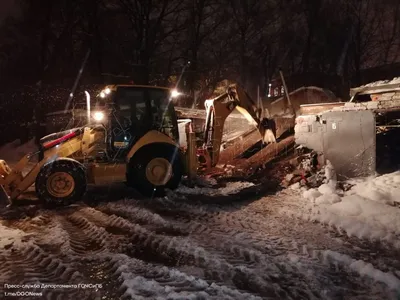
[
  {"x": 395, "y": 80},
  {"x": 376, "y": 87}
]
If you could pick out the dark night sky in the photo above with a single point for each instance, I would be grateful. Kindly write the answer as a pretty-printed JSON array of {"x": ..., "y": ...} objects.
[{"x": 8, "y": 7}]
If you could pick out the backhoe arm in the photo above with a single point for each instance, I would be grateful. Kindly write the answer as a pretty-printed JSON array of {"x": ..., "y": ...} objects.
[{"x": 219, "y": 108}]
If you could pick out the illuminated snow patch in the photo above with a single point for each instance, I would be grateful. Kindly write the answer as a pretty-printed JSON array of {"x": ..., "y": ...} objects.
[
  {"x": 12, "y": 237},
  {"x": 231, "y": 188}
]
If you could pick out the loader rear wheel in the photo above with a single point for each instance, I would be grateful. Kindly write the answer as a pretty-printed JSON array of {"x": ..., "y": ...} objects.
[
  {"x": 154, "y": 168},
  {"x": 61, "y": 182}
]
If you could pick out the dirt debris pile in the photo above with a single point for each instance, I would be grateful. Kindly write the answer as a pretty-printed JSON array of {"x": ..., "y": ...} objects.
[
  {"x": 305, "y": 170},
  {"x": 308, "y": 171}
]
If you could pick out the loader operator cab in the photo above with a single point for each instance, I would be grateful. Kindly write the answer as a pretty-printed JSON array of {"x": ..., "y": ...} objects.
[{"x": 134, "y": 111}]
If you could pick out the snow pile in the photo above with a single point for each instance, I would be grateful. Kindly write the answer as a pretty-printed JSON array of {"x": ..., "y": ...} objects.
[
  {"x": 384, "y": 189},
  {"x": 364, "y": 269},
  {"x": 367, "y": 210},
  {"x": 230, "y": 189},
  {"x": 14, "y": 151}
]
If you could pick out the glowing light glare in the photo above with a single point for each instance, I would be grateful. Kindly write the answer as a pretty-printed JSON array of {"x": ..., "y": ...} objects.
[
  {"x": 175, "y": 93},
  {"x": 102, "y": 94},
  {"x": 98, "y": 116},
  {"x": 107, "y": 91}
]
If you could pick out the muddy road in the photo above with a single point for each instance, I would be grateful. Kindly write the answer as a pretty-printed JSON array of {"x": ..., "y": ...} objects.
[{"x": 203, "y": 246}]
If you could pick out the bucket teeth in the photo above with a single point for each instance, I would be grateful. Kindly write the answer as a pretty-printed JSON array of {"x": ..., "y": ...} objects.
[{"x": 269, "y": 136}]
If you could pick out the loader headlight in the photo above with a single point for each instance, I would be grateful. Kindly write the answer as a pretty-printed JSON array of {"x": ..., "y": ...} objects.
[
  {"x": 98, "y": 116},
  {"x": 105, "y": 92},
  {"x": 175, "y": 93}
]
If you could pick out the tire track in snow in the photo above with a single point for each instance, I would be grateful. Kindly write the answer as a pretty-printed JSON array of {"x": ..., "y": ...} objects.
[
  {"x": 315, "y": 238},
  {"x": 143, "y": 217},
  {"x": 372, "y": 251},
  {"x": 174, "y": 252},
  {"x": 209, "y": 220},
  {"x": 250, "y": 214},
  {"x": 149, "y": 246},
  {"x": 238, "y": 254},
  {"x": 130, "y": 278},
  {"x": 84, "y": 237},
  {"x": 189, "y": 250},
  {"x": 321, "y": 236},
  {"x": 361, "y": 279},
  {"x": 32, "y": 265},
  {"x": 140, "y": 279}
]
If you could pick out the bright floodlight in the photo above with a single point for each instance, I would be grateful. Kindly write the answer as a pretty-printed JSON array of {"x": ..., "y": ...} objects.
[
  {"x": 175, "y": 93},
  {"x": 102, "y": 94},
  {"x": 107, "y": 91},
  {"x": 98, "y": 116}
]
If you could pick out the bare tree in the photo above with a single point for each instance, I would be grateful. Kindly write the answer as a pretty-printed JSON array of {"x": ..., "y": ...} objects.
[
  {"x": 390, "y": 33},
  {"x": 250, "y": 19},
  {"x": 151, "y": 23},
  {"x": 203, "y": 17},
  {"x": 311, "y": 10}
]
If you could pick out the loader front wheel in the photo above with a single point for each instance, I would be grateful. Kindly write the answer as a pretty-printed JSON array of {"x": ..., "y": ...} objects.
[
  {"x": 154, "y": 168},
  {"x": 61, "y": 182}
]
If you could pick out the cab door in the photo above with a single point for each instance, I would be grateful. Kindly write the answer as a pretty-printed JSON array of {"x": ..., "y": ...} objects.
[{"x": 130, "y": 119}]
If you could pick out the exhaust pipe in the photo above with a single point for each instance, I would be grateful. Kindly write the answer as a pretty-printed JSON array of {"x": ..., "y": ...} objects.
[{"x": 88, "y": 106}]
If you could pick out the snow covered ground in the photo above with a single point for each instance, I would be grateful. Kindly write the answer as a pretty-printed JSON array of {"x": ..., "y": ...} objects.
[{"x": 164, "y": 248}]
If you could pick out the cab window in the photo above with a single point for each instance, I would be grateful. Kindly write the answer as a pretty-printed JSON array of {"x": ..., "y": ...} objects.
[{"x": 163, "y": 113}]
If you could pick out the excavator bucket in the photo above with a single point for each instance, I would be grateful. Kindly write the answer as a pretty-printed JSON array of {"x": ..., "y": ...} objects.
[
  {"x": 284, "y": 125},
  {"x": 267, "y": 131},
  {"x": 269, "y": 136},
  {"x": 272, "y": 129}
]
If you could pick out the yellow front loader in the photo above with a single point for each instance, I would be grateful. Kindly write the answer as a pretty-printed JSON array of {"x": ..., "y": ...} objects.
[{"x": 134, "y": 138}]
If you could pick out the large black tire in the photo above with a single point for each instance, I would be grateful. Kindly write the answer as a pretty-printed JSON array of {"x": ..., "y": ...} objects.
[
  {"x": 138, "y": 164},
  {"x": 67, "y": 172}
]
